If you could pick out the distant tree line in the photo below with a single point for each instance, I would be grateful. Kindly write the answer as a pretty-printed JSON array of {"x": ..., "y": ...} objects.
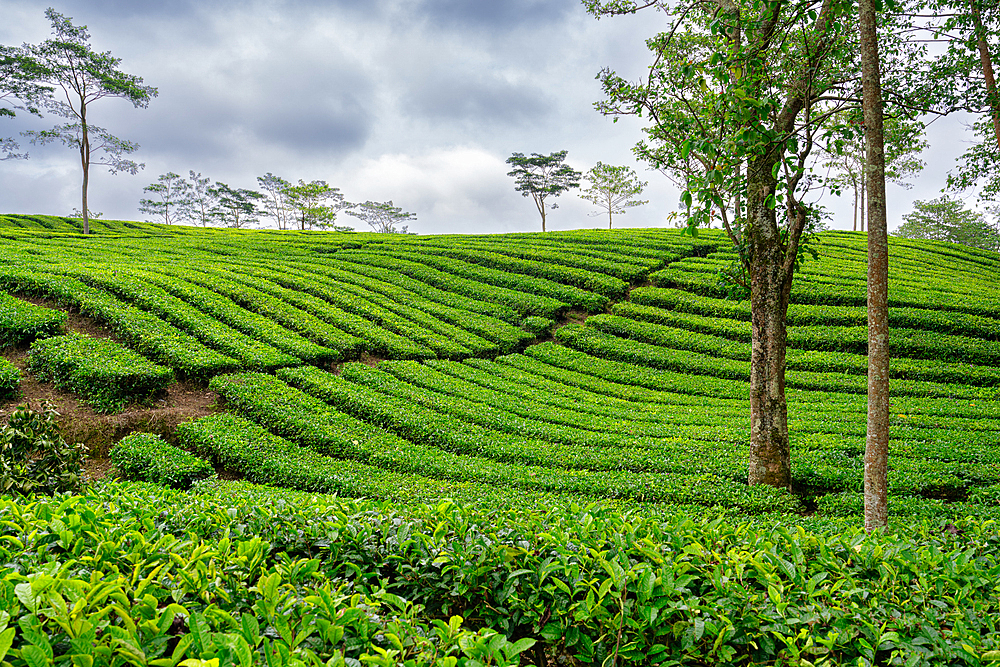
[{"x": 277, "y": 202}]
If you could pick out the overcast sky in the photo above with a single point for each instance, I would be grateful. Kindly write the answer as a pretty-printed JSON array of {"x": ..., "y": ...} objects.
[{"x": 417, "y": 101}]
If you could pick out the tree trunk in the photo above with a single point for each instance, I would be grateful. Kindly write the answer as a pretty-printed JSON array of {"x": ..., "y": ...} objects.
[
  {"x": 992, "y": 96},
  {"x": 877, "y": 443},
  {"x": 542, "y": 209},
  {"x": 85, "y": 163},
  {"x": 855, "y": 207},
  {"x": 609, "y": 218},
  {"x": 770, "y": 286}
]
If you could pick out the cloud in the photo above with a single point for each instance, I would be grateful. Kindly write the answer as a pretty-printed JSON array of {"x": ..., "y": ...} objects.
[{"x": 494, "y": 15}]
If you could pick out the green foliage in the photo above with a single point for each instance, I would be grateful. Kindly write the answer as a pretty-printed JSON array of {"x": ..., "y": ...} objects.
[
  {"x": 613, "y": 189},
  {"x": 10, "y": 380},
  {"x": 382, "y": 217},
  {"x": 146, "y": 457},
  {"x": 946, "y": 219},
  {"x": 34, "y": 458},
  {"x": 254, "y": 576},
  {"x": 538, "y": 326},
  {"x": 23, "y": 322},
  {"x": 542, "y": 176},
  {"x": 106, "y": 374}
]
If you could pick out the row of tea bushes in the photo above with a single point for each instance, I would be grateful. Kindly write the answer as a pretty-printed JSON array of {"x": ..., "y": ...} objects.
[
  {"x": 148, "y": 458},
  {"x": 142, "y": 331},
  {"x": 307, "y": 420},
  {"x": 100, "y": 370},
  {"x": 23, "y": 322}
]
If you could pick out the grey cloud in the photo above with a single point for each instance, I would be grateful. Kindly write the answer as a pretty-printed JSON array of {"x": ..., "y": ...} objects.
[
  {"x": 495, "y": 14},
  {"x": 476, "y": 98}
]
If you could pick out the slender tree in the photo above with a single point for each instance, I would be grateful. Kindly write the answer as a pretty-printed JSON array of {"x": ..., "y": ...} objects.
[
  {"x": 541, "y": 177},
  {"x": 199, "y": 199},
  {"x": 171, "y": 192},
  {"x": 20, "y": 90},
  {"x": 275, "y": 201},
  {"x": 845, "y": 155},
  {"x": 877, "y": 442},
  {"x": 613, "y": 189},
  {"x": 81, "y": 77},
  {"x": 382, "y": 217}
]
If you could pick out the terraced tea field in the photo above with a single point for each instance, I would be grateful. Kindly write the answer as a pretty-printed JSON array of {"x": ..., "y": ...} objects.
[{"x": 582, "y": 397}]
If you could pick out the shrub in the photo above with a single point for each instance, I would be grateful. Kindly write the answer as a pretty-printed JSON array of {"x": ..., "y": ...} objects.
[
  {"x": 537, "y": 325},
  {"x": 21, "y": 322},
  {"x": 106, "y": 374},
  {"x": 146, "y": 457},
  {"x": 34, "y": 458},
  {"x": 10, "y": 380}
]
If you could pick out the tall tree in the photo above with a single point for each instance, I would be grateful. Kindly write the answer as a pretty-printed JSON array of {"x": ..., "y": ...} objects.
[
  {"x": 613, "y": 189},
  {"x": 20, "y": 90},
  {"x": 877, "y": 442},
  {"x": 81, "y": 77},
  {"x": 542, "y": 176},
  {"x": 382, "y": 217},
  {"x": 199, "y": 200},
  {"x": 316, "y": 204},
  {"x": 736, "y": 96},
  {"x": 171, "y": 192},
  {"x": 275, "y": 201},
  {"x": 235, "y": 207}
]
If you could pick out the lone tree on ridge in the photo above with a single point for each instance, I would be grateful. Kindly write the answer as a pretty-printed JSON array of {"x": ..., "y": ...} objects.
[{"x": 542, "y": 176}]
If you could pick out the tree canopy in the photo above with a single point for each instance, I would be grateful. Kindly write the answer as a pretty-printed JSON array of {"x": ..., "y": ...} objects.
[
  {"x": 542, "y": 176},
  {"x": 947, "y": 219},
  {"x": 80, "y": 77},
  {"x": 613, "y": 189}
]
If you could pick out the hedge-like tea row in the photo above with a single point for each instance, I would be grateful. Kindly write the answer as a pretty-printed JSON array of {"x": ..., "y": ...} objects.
[
  {"x": 445, "y": 339},
  {"x": 378, "y": 279},
  {"x": 456, "y": 424},
  {"x": 629, "y": 269},
  {"x": 296, "y": 415},
  {"x": 10, "y": 380},
  {"x": 309, "y": 315},
  {"x": 23, "y": 322},
  {"x": 951, "y": 322},
  {"x": 808, "y": 345},
  {"x": 522, "y": 302},
  {"x": 590, "y": 281},
  {"x": 470, "y": 318},
  {"x": 147, "y": 457},
  {"x": 598, "y": 343},
  {"x": 243, "y": 447},
  {"x": 572, "y": 296},
  {"x": 251, "y": 353},
  {"x": 106, "y": 374},
  {"x": 145, "y": 333},
  {"x": 253, "y": 324}
]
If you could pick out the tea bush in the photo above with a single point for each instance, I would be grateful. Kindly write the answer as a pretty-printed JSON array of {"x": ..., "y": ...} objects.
[{"x": 34, "y": 457}]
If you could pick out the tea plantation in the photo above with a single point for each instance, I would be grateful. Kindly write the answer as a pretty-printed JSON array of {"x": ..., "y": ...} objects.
[{"x": 496, "y": 450}]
